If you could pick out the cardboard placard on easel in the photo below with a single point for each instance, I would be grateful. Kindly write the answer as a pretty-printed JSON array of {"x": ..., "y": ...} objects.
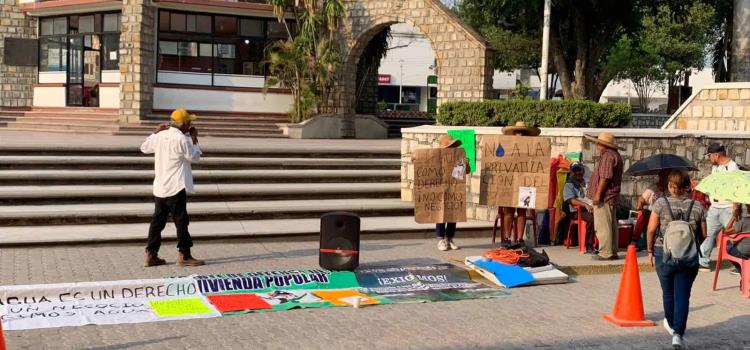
[
  {"x": 515, "y": 171},
  {"x": 440, "y": 185}
]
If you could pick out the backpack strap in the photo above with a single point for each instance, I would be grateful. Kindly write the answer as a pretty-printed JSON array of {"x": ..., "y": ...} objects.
[
  {"x": 669, "y": 207},
  {"x": 690, "y": 210}
]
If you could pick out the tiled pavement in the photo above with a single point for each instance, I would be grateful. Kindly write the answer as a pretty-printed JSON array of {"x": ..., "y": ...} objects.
[{"x": 542, "y": 317}]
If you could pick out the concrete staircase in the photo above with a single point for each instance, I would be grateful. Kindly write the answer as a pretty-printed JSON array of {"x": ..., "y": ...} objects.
[
  {"x": 217, "y": 124},
  {"x": 103, "y": 194},
  {"x": 106, "y": 121},
  {"x": 69, "y": 120}
]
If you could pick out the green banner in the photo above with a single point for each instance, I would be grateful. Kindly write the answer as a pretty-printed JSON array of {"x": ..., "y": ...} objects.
[
  {"x": 467, "y": 138},
  {"x": 269, "y": 281}
]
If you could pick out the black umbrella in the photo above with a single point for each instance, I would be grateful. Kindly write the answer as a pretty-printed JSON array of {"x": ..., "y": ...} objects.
[{"x": 658, "y": 162}]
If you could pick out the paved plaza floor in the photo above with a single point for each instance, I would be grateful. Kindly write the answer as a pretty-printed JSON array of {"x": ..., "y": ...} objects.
[{"x": 565, "y": 316}]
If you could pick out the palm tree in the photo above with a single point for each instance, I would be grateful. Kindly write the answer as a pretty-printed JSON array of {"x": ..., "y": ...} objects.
[{"x": 308, "y": 62}]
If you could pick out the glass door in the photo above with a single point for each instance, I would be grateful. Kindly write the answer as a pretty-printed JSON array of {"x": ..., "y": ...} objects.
[
  {"x": 92, "y": 70},
  {"x": 75, "y": 71}
]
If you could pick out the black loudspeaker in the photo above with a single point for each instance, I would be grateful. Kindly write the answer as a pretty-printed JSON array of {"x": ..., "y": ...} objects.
[{"x": 339, "y": 241}]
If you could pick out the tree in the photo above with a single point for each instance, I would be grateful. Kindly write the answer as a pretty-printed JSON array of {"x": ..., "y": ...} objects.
[
  {"x": 582, "y": 33},
  {"x": 638, "y": 65},
  {"x": 308, "y": 62},
  {"x": 680, "y": 41}
]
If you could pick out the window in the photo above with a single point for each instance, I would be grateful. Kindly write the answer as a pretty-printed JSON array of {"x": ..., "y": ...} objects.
[
  {"x": 54, "y": 26},
  {"x": 86, "y": 24},
  {"x": 234, "y": 45},
  {"x": 53, "y": 54},
  {"x": 225, "y": 25},
  {"x": 410, "y": 95},
  {"x": 112, "y": 22},
  {"x": 111, "y": 54},
  {"x": 276, "y": 30},
  {"x": 251, "y": 27}
]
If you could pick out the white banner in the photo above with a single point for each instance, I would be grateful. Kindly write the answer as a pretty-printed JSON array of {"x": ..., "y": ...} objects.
[{"x": 113, "y": 302}]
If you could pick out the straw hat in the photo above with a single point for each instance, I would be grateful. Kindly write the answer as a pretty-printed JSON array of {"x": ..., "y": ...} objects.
[
  {"x": 605, "y": 139},
  {"x": 522, "y": 128},
  {"x": 446, "y": 141}
]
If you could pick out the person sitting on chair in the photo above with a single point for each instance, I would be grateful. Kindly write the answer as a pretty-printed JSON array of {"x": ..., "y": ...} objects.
[
  {"x": 740, "y": 249},
  {"x": 574, "y": 194}
]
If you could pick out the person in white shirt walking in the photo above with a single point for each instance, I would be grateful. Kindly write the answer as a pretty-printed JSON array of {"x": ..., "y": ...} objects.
[
  {"x": 721, "y": 212},
  {"x": 174, "y": 151}
]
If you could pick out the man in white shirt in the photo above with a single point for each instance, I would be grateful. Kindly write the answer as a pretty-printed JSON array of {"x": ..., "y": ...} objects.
[
  {"x": 174, "y": 151},
  {"x": 721, "y": 212}
]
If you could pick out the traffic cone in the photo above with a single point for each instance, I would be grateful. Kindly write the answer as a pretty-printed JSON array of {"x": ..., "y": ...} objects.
[
  {"x": 628, "y": 310},
  {"x": 2, "y": 339}
]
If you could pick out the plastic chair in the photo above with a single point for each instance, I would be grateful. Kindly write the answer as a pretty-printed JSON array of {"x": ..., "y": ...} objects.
[
  {"x": 721, "y": 242},
  {"x": 581, "y": 227},
  {"x": 531, "y": 216}
]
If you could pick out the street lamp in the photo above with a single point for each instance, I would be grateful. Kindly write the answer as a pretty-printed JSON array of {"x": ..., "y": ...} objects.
[
  {"x": 545, "y": 49},
  {"x": 401, "y": 83}
]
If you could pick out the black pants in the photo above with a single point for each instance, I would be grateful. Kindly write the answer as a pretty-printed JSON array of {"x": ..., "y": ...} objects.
[{"x": 177, "y": 206}]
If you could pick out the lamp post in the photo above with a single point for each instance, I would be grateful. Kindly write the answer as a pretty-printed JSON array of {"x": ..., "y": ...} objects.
[
  {"x": 401, "y": 83},
  {"x": 545, "y": 50}
]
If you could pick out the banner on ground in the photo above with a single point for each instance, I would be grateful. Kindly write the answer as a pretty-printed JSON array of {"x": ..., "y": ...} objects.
[
  {"x": 440, "y": 185},
  {"x": 515, "y": 171},
  {"x": 439, "y": 282},
  {"x": 78, "y": 304}
]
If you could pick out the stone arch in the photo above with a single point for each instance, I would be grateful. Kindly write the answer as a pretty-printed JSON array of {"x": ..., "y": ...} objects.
[{"x": 464, "y": 58}]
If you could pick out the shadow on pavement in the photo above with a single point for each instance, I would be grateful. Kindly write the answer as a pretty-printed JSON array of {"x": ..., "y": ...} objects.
[{"x": 135, "y": 344}]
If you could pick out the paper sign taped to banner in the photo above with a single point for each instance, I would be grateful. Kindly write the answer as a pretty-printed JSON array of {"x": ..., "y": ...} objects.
[
  {"x": 513, "y": 163},
  {"x": 440, "y": 185}
]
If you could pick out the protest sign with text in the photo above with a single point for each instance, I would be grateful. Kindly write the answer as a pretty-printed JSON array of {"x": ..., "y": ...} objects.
[
  {"x": 440, "y": 185},
  {"x": 515, "y": 171}
]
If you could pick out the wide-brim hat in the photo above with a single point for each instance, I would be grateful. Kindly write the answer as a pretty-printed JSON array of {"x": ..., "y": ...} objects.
[
  {"x": 180, "y": 116},
  {"x": 605, "y": 139},
  {"x": 522, "y": 128},
  {"x": 446, "y": 141}
]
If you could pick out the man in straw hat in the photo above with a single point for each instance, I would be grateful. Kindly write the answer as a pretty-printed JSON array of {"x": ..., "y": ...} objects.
[
  {"x": 173, "y": 151},
  {"x": 604, "y": 189},
  {"x": 519, "y": 129}
]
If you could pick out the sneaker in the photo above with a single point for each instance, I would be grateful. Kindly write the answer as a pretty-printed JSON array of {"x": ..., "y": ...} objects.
[
  {"x": 734, "y": 271},
  {"x": 677, "y": 342},
  {"x": 668, "y": 328},
  {"x": 453, "y": 245},
  {"x": 704, "y": 268},
  {"x": 443, "y": 245}
]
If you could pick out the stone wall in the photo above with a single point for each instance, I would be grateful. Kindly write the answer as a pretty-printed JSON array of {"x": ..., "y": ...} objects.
[
  {"x": 724, "y": 106},
  {"x": 464, "y": 59},
  {"x": 16, "y": 82},
  {"x": 137, "y": 59},
  {"x": 638, "y": 144}
]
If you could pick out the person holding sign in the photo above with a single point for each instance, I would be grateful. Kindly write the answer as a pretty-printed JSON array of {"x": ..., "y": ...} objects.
[
  {"x": 604, "y": 189},
  {"x": 440, "y": 189},
  {"x": 509, "y": 213}
]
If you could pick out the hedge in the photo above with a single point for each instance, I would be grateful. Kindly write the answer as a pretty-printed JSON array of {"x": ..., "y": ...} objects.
[{"x": 562, "y": 114}]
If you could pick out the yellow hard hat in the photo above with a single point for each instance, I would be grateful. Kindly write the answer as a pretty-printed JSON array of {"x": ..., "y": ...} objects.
[{"x": 180, "y": 116}]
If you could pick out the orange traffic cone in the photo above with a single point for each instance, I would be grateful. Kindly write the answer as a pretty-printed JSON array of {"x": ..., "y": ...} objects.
[
  {"x": 2, "y": 339},
  {"x": 628, "y": 310}
]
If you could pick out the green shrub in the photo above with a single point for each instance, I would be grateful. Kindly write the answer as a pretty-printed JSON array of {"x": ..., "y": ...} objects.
[{"x": 561, "y": 114}]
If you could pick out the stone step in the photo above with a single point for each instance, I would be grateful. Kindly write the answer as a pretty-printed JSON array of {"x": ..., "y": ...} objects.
[
  {"x": 207, "y": 130},
  {"x": 64, "y": 126},
  {"x": 151, "y": 124},
  {"x": 62, "y": 114},
  {"x": 112, "y": 177},
  {"x": 71, "y": 120},
  {"x": 38, "y": 195},
  {"x": 120, "y": 213},
  {"x": 214, "y": 116},
  {"x": 213, "y": 230},
  {"x": 257, "y": 135},
  {"x": 10, "y": 162}
]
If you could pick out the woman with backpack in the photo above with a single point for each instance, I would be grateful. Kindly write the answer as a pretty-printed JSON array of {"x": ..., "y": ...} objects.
[{"x": 673, "y": 247}]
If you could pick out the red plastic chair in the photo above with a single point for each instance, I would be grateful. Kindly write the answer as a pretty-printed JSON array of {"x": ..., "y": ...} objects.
[
  {"x": 531, "y": 216},
  {"x": 581, "y": 227},
  {"x": 721, "y": 242}
]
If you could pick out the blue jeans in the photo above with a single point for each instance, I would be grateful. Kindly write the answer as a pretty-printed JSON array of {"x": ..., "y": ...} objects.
[
  {"x": 716, "y": 220},
  {"x": 676, "y": 281},
  {"x": 733, "y": 251},
  {"x": 446, "y": 230}
]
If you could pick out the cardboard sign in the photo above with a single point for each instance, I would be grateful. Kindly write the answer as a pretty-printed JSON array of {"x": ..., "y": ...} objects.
[
  {"x": 440, "y": 185},
  {"x": 515, "y": 171}
]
